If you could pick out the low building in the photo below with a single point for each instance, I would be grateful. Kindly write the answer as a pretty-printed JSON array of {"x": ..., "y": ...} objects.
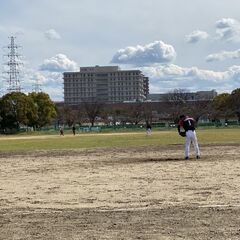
[
  {"x": 108, "y": 84},
  {"x": 181, "y": 95}
]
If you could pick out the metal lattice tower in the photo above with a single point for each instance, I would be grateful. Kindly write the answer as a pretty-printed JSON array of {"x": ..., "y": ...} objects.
[
  {"x": 13, "y": 66},
  {"x": 37, "y": 86}
]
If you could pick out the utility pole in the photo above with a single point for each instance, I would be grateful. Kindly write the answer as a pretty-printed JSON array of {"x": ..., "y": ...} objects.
[{"x": 13, "y": 65}]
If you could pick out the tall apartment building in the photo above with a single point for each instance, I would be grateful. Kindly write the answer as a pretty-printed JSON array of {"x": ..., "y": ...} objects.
[{"x": 106, "y": 84}]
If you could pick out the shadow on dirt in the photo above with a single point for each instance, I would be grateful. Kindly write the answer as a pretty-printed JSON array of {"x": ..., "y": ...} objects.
[{"x": 148, "y": 160}]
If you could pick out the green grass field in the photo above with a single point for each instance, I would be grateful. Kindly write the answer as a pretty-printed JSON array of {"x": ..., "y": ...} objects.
[{"x": 48, "y": 142}]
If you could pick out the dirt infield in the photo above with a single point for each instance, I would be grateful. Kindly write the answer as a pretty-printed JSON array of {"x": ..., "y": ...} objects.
[{"x": 130, "y": 193}]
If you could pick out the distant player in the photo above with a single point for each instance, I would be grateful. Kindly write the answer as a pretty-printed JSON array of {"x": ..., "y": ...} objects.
[
  {"x": 61, "y": 131},
  {"x": 188, "y": 124},
  {"x": 149, "y": 129},
  {"x": 74, "y": 130}
]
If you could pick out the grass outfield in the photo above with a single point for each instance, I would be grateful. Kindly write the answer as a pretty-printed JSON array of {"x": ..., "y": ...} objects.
[{"x": 48, "y": 142}]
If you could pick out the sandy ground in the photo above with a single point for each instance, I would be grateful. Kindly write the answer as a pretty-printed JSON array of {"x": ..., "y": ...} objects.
[{"x": 130, "y": 193}]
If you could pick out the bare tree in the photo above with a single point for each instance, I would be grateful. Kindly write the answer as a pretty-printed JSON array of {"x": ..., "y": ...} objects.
[
  {"x": 134, "y": 113},
  {"x": 80, "y": 116},
  {"x": 92, "y": 110},
  {"x": 178, "y": 96},
  {"x": 69, "y": 116},
  {"x": 177, "y": 103},
  {"x": 66, "y": 115},
  {"x": 198, "y": 109},
  {"x": 111, "y": 114},
  {"x": 148, "y": 112}
]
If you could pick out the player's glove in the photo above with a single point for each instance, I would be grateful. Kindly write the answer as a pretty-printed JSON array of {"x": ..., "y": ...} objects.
[{"x": 182, "y": 134}]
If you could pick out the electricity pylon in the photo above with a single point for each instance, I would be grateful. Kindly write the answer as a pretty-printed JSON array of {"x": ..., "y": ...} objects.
[{"x": 13, "y": 65}]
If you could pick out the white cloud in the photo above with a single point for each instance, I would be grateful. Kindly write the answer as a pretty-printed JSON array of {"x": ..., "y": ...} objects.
[
  {"x": 196, "y": 36},
  {"x": 173, "y": 72},
  {"x": 55, "y": 92},
  {"x": 49, "y": 82},
  {"x": 52, "y": 34},
  {"x": 59, "y": 63},
  {"x": 31, "y": 77},
  {"x": 164, "y": 78},
  {"x": 223, "y": 55},
  {"x": 228, "y": 29},
  {"x": 2, "y": 29},
  {"x": 234, "y": 73},
  {"x": 12, "y": 30},
  {"x": 156, "y": 52},
  {"x": 50, "y": 77}
]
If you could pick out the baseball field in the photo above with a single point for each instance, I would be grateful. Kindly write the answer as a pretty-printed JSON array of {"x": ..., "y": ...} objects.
[{"x": 120, "y": 186}]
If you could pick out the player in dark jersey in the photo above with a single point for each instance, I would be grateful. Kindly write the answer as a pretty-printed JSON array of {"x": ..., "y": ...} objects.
[
  {"x": 188, "y": 124},
  {"x": 149, "y": 129}
]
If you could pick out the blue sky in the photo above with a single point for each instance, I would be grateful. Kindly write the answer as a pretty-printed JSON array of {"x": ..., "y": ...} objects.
[{"x": 190, "y": 44}]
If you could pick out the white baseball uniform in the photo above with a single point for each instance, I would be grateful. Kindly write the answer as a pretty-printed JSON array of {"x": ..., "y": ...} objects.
[{"x": 189, "y": 126}]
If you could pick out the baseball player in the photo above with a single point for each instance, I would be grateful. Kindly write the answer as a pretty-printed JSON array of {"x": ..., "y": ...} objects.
[
  {"x": 149, "y": 129},
  {"x": 61, "y": 131},
  {"x": 188, "y": 124}
]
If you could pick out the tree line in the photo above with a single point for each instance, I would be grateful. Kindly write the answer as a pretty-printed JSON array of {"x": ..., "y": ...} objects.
[
  {"x": 224, "y": 106},
  {"x": 37, "y": 110},
  {"x": 33, "y": 110},
  {"x": 227, "y": 105}
]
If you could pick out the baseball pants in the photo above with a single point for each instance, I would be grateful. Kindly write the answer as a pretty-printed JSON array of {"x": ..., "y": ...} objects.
[{"x": 191, "y": 137}]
